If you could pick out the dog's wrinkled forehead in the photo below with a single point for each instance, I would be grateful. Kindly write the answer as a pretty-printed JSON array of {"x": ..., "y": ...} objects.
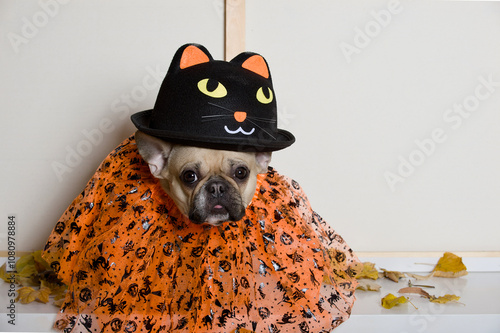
[{"x": 209, "y": 160}]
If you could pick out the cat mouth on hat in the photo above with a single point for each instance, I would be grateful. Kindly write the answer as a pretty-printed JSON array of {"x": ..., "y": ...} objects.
[
  {"x": 239, "y": 117},
  {"x": 239, "y": 130}
]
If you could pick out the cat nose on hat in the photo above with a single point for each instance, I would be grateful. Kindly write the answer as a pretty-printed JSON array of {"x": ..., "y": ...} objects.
[{"x": 240, "y": 116}]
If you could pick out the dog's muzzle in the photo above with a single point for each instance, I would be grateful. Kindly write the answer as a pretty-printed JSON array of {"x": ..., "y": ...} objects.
[{"x": 216, "y": 202}]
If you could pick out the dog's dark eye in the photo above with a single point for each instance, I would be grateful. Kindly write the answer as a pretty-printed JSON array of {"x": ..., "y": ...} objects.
[
  {"x": 241, "y": 173},
  {"x": 189, "y": 177}
]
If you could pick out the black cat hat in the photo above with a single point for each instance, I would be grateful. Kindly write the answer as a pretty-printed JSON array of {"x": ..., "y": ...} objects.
[{"x": 216, "y": 104}]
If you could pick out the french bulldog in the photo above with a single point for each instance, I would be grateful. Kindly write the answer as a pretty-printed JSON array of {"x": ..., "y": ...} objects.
[{"x": 207, "y": 185}]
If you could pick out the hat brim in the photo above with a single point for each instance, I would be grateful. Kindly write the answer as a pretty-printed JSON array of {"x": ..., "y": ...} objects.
[{"x": 284, "y": 138}]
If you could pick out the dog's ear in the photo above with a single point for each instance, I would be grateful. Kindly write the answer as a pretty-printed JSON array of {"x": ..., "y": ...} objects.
[
  {"x": 263, "y": 159},
  {"x": 154, "y": 151}
]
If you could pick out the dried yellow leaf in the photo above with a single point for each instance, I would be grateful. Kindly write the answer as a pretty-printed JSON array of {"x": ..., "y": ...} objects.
[
  {"x": 43, "y": 295},
  {"x": 27, "y": 295},
  {"x": 27, "y": 281},
  {"x": 28, "y": 276},
  {"x": 27, "y": 271},
  {"x": 367, "y": 285},
  {"x": 55, "y": 288},
  {"x": 419, "y": 291},
  {"x": 58, "y": 303},
  {"x": 449, "y": 265},
  {"x": 414, "y": 290},
  {"x": 419, "y": 277},
  {"x": 393, "y": 275},
  {"x": 59, "y": 296},
  {"x": 6, "y": 276},
  {"x": 33, "y": 271},
  {"x": 390, "y": 301},
  {"x": 27, "y": 260},
  {"x": 40, "y": 263},
  {"x": 368, "y": 272},
  {"x": 444, "y": 299}
]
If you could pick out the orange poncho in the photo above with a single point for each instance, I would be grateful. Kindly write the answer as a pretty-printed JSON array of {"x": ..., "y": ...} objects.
[{"x": 134, "y": 263}]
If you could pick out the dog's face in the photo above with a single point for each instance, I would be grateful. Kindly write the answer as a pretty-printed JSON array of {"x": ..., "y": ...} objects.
[{"x": 207, "y": 185}]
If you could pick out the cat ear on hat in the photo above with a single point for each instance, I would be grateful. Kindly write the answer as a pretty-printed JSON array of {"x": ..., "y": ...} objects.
[
  {"x": 253, "y": 62},
  {"x": 189, "y": 55}
]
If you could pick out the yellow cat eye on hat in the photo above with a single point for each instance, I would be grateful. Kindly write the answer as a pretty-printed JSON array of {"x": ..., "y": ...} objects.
[{"x": 219, "y": 91}]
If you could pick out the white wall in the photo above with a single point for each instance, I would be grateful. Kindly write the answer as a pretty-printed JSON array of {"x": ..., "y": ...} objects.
[
  {"x": 85, "y": 70},
  {"x": 355, "y": 116},
  {"x": 91, "y": 64}
]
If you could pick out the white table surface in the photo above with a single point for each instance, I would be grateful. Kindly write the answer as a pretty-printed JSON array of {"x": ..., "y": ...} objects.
[{"x": 478, "y": 313}]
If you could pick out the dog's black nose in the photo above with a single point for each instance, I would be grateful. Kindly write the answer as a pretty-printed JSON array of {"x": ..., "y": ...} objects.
[{"x": 216, "y": 189}]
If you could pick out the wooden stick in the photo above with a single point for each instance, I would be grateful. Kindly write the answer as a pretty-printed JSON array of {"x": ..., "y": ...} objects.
[{"x": 234, "y": 28}]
